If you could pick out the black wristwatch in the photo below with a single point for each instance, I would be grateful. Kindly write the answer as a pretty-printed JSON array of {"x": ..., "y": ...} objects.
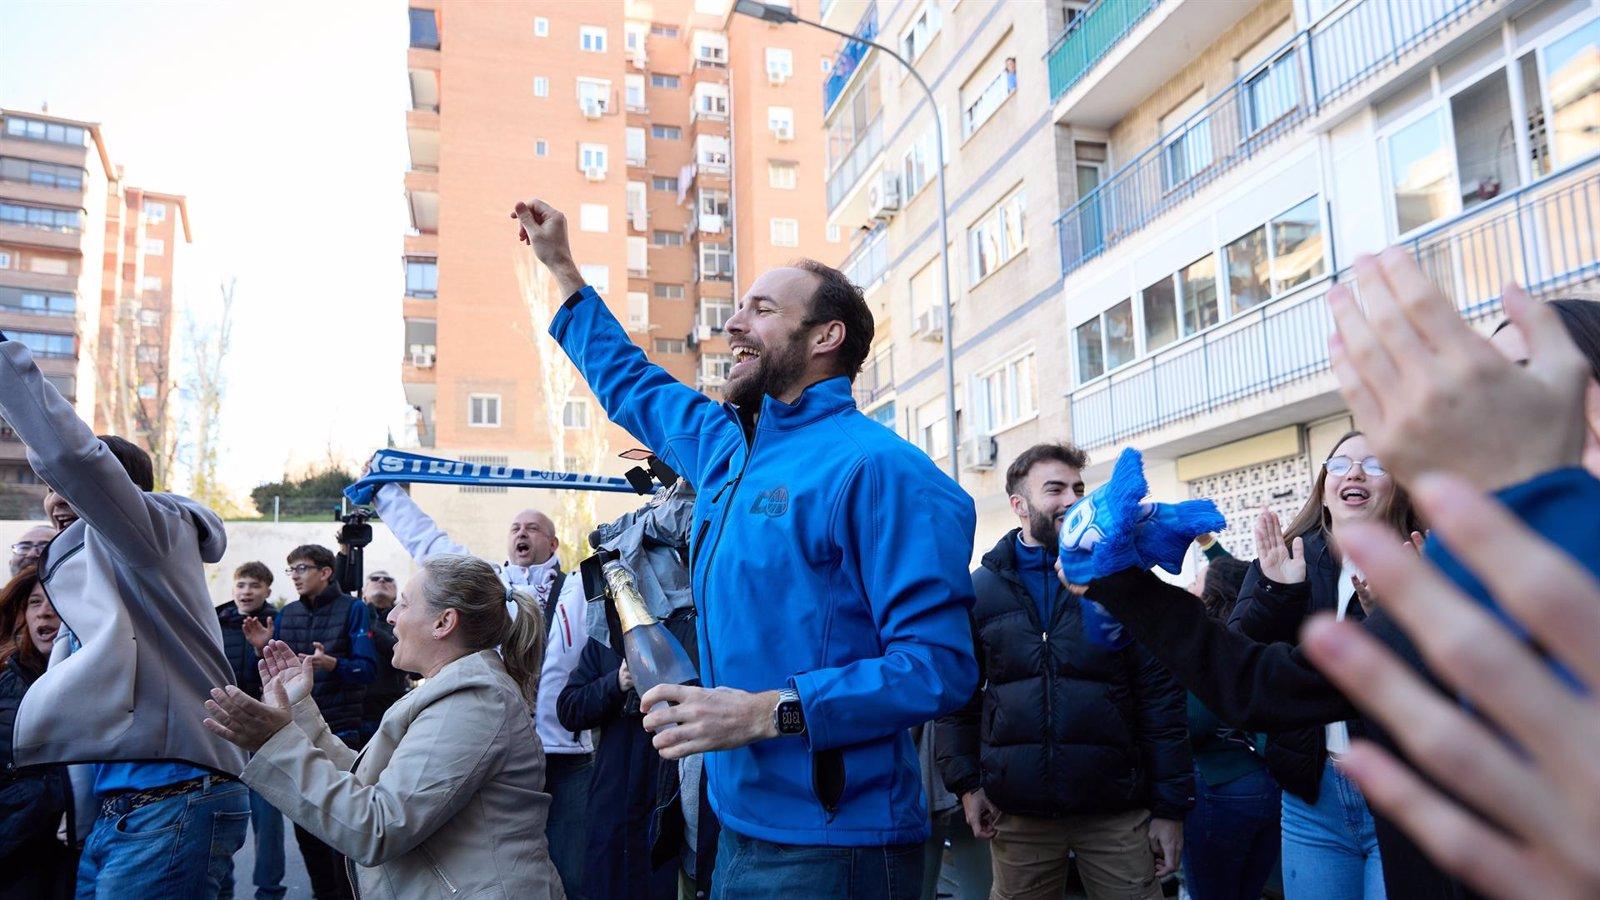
[{"x": 788, "y": 717}]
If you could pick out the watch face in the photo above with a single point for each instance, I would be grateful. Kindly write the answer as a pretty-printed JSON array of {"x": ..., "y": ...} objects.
[{"x": 791, "y": 720}]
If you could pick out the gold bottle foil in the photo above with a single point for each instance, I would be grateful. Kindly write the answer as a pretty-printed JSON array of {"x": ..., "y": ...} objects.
[{"x": 631, "y": 611}]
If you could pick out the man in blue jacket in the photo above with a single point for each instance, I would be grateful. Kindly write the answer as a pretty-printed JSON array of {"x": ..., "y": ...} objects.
[{"x": 829, "y": 567}]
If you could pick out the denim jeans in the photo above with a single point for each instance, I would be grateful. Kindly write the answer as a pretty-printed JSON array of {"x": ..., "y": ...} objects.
[
  {"x": 177, "y": 847},
  {"x": 1330, "y": 850},
  {"x": 566, "y": 780},
  {"x": 751, "y": 869},
  {"x": 266, "y": 825},
  {"x": 1230, "y": 838}
]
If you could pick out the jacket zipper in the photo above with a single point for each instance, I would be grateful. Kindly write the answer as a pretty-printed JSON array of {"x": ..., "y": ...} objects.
[
  {"x": 434, "y": 865},
  {"x": 750, "y": 451}
]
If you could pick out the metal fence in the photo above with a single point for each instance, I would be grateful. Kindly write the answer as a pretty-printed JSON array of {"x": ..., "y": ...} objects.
[
  {"x": 868, "y": 263},
  {"x": 1314, "y": 68},
  {"x": 855, "y": 164},
  {"x": 1545, "y": 236},
  {"x": 1088, "y": 38}
]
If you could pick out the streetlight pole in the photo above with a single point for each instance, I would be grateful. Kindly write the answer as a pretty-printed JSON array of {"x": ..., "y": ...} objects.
[{"x": 783, "y": 15}]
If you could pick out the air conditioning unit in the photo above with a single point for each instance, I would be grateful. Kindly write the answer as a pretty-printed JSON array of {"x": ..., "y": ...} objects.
[
  {"x": 883, "y": 195},
  {"x": 978, "y": 454},
  {"x": 422, "y": 356},
  {"x": 702, "y": 333},
  {"x": 928, "y": 325},
  {"x": 595, "y": 173},
  {"x": 776, "y": 76},
  {"x": 783, "y": 132},
  {"x": 592, "y": 109}
]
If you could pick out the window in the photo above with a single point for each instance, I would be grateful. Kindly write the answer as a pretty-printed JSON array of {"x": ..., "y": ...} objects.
[
  {"x": 147, "y": 391},
  {"x": 37, "y": 302},
  {"x": 424, "y": 29},
  {"x": 918, "y": 163},
  {"x": 669, "y": 291},
  {"x": 38, "y": 130},
  {"x": 155, "y": 247},
  {"x": 575, "y": 414},
  {"x": 594, "y": 95},
  {"x": 597, "y": 277},
  {"x": 541, "y": 86},
  {"x": 1272, "y": 91},
  {"x": 711, "y": 152},
  {"x": 664, "y": 183},
  {"x": 1297, "y": 254},
  {"x": 43, "y": 174},
  {"x": 1004, "y": 396},
  {"x": 633, "y": 146},
  {"x": 5, "y": 259},
  {"x": 712, "y": 202},
  {"x": 633, "y": 36},
  {"x": 715, "y": 312},
  {"x": 592, "y": 156},
  {"x": 594, "y": 217},
  {"x": 541, "y": 26},
  {"x": 483, "y": 410},
  {"x": 592, "y": 39},
  {"x": 638, "y": 256},
  {"x": 924, "y": 25},
  {"x": 780, "y": 64},
  {"x": 541, "y": 147},
  {"x": 666, "y": 132},
  {"x": 1197, "y": 282},
  {"x": 714, "y": 367},
  {"x": 833, "y": 234},
  {"x": 150, "y": 318},
  {"x": 664, "y": 238},
  {"x": 422, "y": 278},
  {"x": 983, "y": 94},
  {"x": 711, "y": 100},
  {"x": 1159, "y": 303},
  {"x": 929, "y": 429},
  {"x": 637, "y": 205},
  {"x": 48, "y": 265},
  {"x": 710, "y": 49},
  {"x": 716, "y": 262},
  {"x": 669, "y": 345},
  {"x": 1249, "y": 278},
  {"x": 827, "y": 65},
  {"x": 781, "y": 175},
  {"x": 663, "y": 81},
  {"x": 633, "y": 91},
  {"x": 45, "y": 217},
  {"x": 997, "y": 238},
  {"x": 924, "y": 291},
  {"x": 670, "y": 31},
  {"x": 45, "y": 344},
  {"x": 1185, "y": 142},
  {"x": 150, "y": 283},
  {"x": 785, "y": 232},
  {"x": 1091, "y": 356},
  {"x": 147, "y": 353},
  {"x": 781, "y": 120},
  {"x": 1119, "y": 334},
  {"x": 1570, "y": 85},
  {"x": 155, "y": 212}
]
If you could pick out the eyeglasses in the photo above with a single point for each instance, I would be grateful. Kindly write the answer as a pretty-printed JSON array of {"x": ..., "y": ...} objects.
[
  {"x": 1339, "y": 466},
  {"x": 380, "y": 578},
  {"x": 301, "y": 569},
  {"x": 24, "y": 548}
]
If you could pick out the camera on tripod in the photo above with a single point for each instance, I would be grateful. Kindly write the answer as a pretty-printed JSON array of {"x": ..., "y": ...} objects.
[{"x": 353, "y": 538}]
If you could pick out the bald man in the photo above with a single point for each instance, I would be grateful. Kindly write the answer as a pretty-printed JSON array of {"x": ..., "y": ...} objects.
[
  {"x": 30, "y": 546},
  {"x": 531, "y": 565}
]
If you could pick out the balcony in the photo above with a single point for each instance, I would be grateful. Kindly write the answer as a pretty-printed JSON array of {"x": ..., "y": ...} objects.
[
  {"x": 1540, "y": 236},
  {"x": 424, "y": 89},
  {"x": 868, "y": 264},
  {"x": 849, "y": 59},
  {"x": 1314, "y": 69},
  {"x": 848, "y": 173},
  {"x": 1088, "y": 39},
  {"x": 876, "y": 380}
]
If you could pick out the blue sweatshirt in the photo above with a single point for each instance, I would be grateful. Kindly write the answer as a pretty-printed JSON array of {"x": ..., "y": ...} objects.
[
  {"x": 829, "y": 556},
  {"x": 1036, "y": 566}
]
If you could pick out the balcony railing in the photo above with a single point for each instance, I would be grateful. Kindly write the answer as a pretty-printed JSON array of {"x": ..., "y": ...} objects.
[
  {"x": 1090, "y": 36},
  {"x": 868, "y": 263},
  {"x": 876, "y": 379},
  {"x": 1541, "y": 236},
  {"x": 849, "y": 171},
  {"x": 1314, "y": 68},
  {"x": 849, "y": 58}
]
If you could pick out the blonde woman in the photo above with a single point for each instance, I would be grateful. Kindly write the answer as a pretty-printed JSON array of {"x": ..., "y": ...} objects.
[{"x": 447, "y": 798}]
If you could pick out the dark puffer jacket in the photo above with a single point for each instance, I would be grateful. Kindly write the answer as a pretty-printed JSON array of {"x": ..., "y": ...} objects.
[
  {"x": 1060, "y": 726},
  {"x": 326, "y": 619},
  {"x": 1270, "y": 612},
  {"x": 32, "y": 801},
  {"x": 241, "y": 656}
]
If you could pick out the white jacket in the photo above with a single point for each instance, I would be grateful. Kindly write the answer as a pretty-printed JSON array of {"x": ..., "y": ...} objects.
[{"x": 423, "y": 538}]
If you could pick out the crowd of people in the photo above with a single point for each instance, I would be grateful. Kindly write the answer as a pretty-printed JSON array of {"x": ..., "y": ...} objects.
[{"x": 1375, "y": 705}]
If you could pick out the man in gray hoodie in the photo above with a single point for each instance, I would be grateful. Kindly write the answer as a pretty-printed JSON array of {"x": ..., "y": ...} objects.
[{"x": 142, "y": 654}]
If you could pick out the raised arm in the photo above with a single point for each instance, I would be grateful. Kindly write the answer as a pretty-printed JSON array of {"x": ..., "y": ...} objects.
[
  {"x": 668, "y": 416},
  {"x": 415, "y": 529}
]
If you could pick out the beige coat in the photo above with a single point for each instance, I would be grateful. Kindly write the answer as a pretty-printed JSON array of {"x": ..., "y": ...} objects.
[{"x": 446, "y": 800}]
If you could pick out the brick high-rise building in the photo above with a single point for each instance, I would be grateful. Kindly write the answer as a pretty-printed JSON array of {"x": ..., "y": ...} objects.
[{"x": 685, "y": 147}]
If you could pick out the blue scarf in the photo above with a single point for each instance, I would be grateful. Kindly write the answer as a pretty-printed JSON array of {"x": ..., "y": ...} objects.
[{"x": 414, "y": 468}]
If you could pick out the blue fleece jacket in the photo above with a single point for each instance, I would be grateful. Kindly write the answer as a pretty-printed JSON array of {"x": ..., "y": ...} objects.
[{"x": 830, "y": 556}]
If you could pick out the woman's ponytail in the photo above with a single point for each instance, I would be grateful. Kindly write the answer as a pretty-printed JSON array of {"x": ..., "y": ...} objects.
[{"x": 522, "y": 648}]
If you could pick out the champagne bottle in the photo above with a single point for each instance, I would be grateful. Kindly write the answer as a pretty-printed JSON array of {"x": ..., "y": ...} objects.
[{"x": 654, "y": 655}]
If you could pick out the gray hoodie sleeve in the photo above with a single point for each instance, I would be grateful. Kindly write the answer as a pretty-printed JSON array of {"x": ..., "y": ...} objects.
[{"x": 78, "y": 465}]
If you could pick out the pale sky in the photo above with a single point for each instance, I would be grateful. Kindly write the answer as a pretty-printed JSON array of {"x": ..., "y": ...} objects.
[{"x": 284, "y": 124}]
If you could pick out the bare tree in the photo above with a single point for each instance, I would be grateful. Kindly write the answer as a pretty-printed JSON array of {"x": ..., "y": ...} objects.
[
  {"x": 209, "y": 345},
  {"x": 135, "y": 402}
]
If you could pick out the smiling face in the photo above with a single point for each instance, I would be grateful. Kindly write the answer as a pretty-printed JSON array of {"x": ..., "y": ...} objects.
[
  {"x": 768, "y": 336},
  {"x": 58, "y": 510},
  {"x": 1049, "y": 490},
  {"x": 250, "y": 594},
  {"x": 423, "y": 637},
  {"x": 1357, "y": 495},
  {"x": 532, "y": 539},
  {"x": 42, "y": 622}
]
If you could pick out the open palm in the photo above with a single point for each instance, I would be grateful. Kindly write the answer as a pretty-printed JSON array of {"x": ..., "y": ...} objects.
[
  {"x": 1277, "y": 563},
  {"x": 293, "y": 672}
]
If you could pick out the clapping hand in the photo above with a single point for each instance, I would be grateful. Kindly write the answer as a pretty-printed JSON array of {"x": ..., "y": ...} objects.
[
  {"x": 256, "y": 632},
  {"x": 320, "y": 659},
  {"x": 1277, "y": 561},
  {"x": 243, "y": 720},
  {"x": 292, "y": 671}
]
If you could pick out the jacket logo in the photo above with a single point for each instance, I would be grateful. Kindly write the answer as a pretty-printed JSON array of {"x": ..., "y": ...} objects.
[{"x": 771, "y": 503}]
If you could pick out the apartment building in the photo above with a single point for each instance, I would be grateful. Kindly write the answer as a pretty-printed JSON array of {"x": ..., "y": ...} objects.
[
  {"x": 54, "y": 176},
  {"x": 684, "y": 145},
  {"x": 1148, "y": 200}
]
